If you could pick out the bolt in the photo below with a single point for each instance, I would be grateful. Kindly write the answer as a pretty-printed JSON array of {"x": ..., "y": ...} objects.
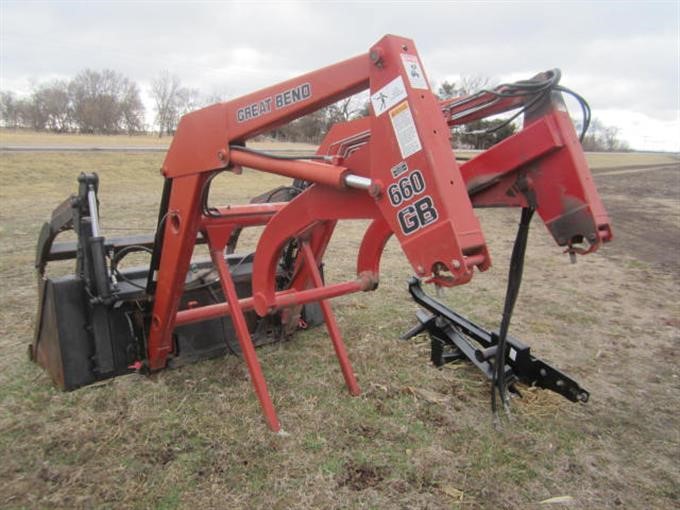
[
  {"x": 420, "y": 270},
  {"x": 375, "y": 190},
  {"x": 222, "y": 155},
  {"x": 376, "y": 56},
  {"x": 455, "y": 263}
]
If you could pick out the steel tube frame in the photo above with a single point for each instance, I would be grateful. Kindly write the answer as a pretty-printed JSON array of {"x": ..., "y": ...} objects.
[{"x": 438, "y": 233}]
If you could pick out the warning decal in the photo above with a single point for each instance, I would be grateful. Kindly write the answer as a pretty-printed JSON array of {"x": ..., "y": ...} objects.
[
  {"x": 405, "y": 130},
  {"x": 414, "y": 72},
  {"x": 399, "y": 168},
  {"x": 388, "y": 96}
]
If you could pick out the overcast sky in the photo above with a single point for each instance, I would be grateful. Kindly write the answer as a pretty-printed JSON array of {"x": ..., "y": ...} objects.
[{"x": 624, "y": 57}]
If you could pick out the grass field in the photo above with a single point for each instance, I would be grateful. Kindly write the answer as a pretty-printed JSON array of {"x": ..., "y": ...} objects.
[
  {"x": 9, "y": 137},
  {"x": 417, "y": 437},
  {"x": 23, "y": 137}
]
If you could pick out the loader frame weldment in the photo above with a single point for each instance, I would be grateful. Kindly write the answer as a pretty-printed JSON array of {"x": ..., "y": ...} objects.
[{"x": 394, "y": 167}]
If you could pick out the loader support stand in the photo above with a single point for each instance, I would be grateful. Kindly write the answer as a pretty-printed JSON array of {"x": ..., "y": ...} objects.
[
  {"x": 331, "y": 323},
  {"x": 242, "y": 333}
]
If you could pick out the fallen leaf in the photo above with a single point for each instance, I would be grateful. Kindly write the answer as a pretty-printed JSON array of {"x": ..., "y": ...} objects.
[
  {"x": 557, "y": 500},
  {"x": 451, "y": 491},
  {"x": 430, "y": 396}
]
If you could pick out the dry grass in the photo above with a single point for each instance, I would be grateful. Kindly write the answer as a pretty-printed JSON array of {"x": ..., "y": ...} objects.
[
  {"x": 22, "y": 137},
  {"x": 10, "y": 137},
  {"x": 417, "y": 437},
  {"x": 599, "y": 160}
]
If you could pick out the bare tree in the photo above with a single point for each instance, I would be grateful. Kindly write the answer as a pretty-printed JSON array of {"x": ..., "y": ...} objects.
[
  {"x": 313, "y": 127},
  {"x": 346, "y": 109},
  {"x": 164, "y": 90},
  {"x": 9, "y": 109},
  {"x": 132, "y": 110},
  {"x": 601, "y": 137},
  {"x": 611, "y": 138},
  {"x": 53, "y": 105},
  {"x": 479, "y": 134},
  {"x": 172, "y": 100},
  {"x": 33, "y": 113},
  {"x": 105, "y": 102},
  {"x": 26, "y": 114},
  {"x": 468, "y": 84}
]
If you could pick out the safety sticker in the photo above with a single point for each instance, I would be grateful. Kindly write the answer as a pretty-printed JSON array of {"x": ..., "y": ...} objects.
[
  {"x": 414, "y": 71},
  {"x": 399, "y": 168},
  {"x": 405, "y": 130},
  {"x": 388, "y": 96}
]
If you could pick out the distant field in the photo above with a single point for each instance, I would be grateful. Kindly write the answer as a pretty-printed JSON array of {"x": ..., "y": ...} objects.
[
  {"x": 31, "y": 138},
  {"x": 20, "y": 137},
  {"x": 619, "y": 159},
  {"x": 417, "y": 437},
  {"x": 28, "y": 138}
]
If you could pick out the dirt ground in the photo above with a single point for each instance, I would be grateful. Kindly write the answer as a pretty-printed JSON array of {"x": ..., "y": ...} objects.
[
  {"x": 417, "y": 437},
  {"x": 642, "y": 201}
]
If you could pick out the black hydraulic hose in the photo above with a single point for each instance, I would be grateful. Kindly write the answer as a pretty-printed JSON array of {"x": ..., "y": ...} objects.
[
  {"x": 155, "y": 262},
  {"x": 514, "y": 283}
]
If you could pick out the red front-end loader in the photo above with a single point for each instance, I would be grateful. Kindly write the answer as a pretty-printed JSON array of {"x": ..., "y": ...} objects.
[{"x": 394, "y": 167}]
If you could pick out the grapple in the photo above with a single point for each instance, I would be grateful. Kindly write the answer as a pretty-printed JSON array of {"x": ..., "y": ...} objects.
[{"x": 93, "y": 324}]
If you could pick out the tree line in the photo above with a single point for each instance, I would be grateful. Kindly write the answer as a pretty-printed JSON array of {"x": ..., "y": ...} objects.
[
  {"x": 107, "y": 102},
  {"x": 97, "y": 102},
  {"x": 102, "y": 102},
  {"x": 313, "y": 127},
  {"x": 603, "y": 138}
]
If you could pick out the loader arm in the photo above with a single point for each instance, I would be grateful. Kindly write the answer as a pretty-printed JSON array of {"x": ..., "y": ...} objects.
[
  {"x": 438, "y": 232},
  {"x": 543, "y": 165}
]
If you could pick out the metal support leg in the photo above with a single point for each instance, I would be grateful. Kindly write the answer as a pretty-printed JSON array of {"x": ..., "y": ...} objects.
[
  {"x": 245, "y": 341},
  {"x": 331, "y": 323}
]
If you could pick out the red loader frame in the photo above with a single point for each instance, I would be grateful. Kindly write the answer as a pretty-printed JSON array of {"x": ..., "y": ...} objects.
[{"x": 394, "y": 167}]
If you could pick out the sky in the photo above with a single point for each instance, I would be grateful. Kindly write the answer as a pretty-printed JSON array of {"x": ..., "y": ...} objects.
[{"x": 622, "y": 56}]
